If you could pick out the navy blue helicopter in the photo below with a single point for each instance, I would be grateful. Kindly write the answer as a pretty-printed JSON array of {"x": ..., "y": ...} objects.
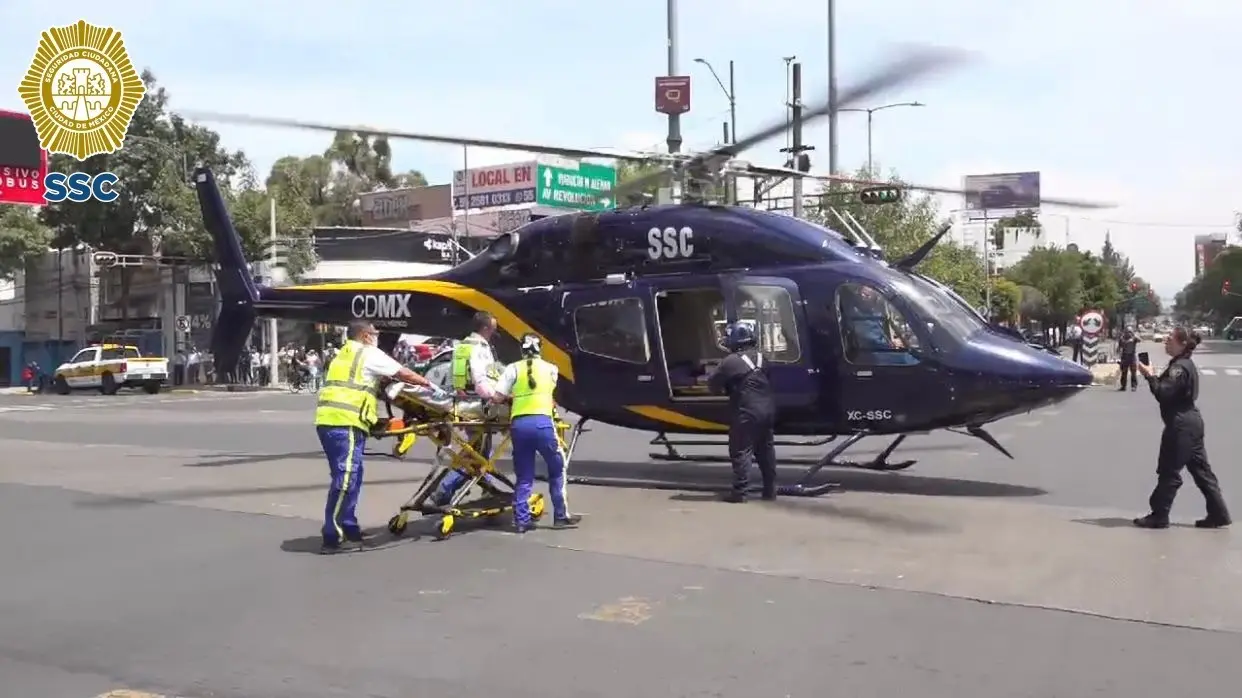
[{"x": 631, "y": 304}]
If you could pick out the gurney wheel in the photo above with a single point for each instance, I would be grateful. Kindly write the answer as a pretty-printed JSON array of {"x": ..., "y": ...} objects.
[
  {"x": 536, "y": 506},
  {"x": 396, "y": 525},
  {"x": 445, "y": 528}
]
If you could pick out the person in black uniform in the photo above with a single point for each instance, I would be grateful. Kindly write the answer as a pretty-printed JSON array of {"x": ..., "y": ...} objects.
[
  {"x": 742, "y": 377},
  {"x": 1127, "y": 351},
  {"x": 1181, "y": 442}
]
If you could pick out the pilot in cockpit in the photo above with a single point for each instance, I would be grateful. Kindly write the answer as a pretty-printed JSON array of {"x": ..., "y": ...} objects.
[{"x": 871, "y": 329}]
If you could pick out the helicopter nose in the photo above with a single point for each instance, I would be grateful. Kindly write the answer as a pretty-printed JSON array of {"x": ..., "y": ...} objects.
[{"x": 1058, "y": 379}]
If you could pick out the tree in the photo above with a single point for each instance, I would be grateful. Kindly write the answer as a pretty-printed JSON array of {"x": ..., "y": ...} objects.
[
  {"x": 1006, "y": 299},
  {"x": 902, "y": 227},
  {"x": 629, "y": 170},
  {"x": 1204, "y": 298},
  {"x": 151, "y": 214},
  {"x": 1057, "y": 275},
  {"x": 22, "y": 239}
]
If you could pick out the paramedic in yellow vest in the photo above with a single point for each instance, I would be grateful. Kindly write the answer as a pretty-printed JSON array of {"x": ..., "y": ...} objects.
[
  {"x": 472, "y": 357},
  {"x": 529, "y": 384},
  {"x": 343, "y": 419}
]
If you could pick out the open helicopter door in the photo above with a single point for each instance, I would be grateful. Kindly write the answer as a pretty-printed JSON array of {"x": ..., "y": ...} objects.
[
  {"x": 775, "y": 309},
  {"x": 614, "y": 358}
]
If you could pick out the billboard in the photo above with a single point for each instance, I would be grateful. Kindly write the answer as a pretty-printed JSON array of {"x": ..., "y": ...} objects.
[
  {"x": 23, "y": 164},
  {"x": 495, "y": 186},
  {"x": 1010, "y": 190},
  {"x": 397, "y": 207},
  {"x": 672, "y": 94}
]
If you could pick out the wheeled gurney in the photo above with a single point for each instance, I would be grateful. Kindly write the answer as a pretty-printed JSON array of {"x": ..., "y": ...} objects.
[{"x": 458, "y": 425}]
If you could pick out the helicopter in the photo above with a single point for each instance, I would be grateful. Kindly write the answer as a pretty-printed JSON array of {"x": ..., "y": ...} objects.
[{"x": 631, "y": 304}]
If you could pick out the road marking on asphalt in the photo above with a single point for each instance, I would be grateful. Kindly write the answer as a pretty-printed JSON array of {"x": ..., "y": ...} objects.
[
  {"x": 629, "y": 610},
  {"x": 1208, "y": 371},
  {"x": 1031, "y": 423},
  {"x": 1232, "y": 371},
  {"x": 126, "y": 693}
]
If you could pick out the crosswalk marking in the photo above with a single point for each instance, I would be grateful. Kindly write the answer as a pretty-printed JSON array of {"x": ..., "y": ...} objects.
[{"x": 1214, "y": 371}]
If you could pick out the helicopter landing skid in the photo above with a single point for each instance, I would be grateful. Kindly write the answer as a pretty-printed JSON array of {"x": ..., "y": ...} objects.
[
  {"x": 804, "y": 488},
  {"x": 672, "y": 454}
]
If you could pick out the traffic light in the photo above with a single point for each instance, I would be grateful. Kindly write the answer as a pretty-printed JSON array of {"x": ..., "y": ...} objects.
[
  {"x": 880, "y": 195},
  {"x": 1134, "y": 287},
  {"x": 1224, "y": 288}
]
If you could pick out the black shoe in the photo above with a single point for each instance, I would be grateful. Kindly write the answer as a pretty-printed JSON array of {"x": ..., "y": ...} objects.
[
  {"x": 1151, "y": 521},
  {"x": 769, "y": 494},
  {"x": 523, "y": 528},
  {"x": 349, "y": 546},
  {"x": 1122, "y": 389},
  {"x": 570, "y": 521},
  {"x": 1212, "y": 522}
]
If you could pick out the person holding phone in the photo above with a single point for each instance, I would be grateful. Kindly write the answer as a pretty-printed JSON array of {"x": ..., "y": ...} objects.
[
  {"x": 1127, "y": 345},
  {"x": 1181, "y": 442}
]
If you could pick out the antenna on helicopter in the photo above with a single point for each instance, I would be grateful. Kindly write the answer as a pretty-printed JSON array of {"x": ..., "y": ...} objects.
[
  {"x": 912, "y": 260},
  {"x": 871, "y": 241}
]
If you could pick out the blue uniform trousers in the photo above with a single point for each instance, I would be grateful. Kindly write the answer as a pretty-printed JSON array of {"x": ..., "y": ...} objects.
[
  {"x": 455, "y": 479},
  {"x": 531, "y": 434},
  {"x": 343, "y": 446}
]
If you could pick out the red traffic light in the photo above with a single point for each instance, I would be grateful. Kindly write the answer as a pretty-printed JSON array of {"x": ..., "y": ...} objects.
[
  {"x": 1133, "y": 286},
  {"x": 1224, "y": 288}
]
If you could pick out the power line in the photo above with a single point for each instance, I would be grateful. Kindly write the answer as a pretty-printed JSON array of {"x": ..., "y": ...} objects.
[{"x": 1231, "y": 226}]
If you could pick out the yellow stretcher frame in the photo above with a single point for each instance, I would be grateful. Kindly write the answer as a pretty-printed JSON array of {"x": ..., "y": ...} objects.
[{"x": 458, "y": 437}]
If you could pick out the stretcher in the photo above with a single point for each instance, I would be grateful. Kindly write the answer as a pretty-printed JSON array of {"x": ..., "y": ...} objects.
[{"x": 458, "y": 426}]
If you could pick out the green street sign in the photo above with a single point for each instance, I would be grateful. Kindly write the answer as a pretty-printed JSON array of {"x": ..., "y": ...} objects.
[{"x": 588, "y": 188}]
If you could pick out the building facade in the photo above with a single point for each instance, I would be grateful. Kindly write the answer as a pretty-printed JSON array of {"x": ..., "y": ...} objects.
[{"x": 1207, "y": 247}]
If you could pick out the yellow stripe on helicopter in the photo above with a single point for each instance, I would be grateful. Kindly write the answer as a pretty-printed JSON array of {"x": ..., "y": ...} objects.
[{"x": 510, "y": 323}]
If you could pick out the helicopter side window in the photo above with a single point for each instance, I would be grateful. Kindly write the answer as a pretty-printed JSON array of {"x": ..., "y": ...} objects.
[
  {"x": 614, "y": 329},
  {"x": 769, "y": 310},
  {"x": 873, "y": 330}
]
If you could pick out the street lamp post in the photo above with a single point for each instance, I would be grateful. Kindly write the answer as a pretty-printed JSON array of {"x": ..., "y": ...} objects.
[
  {"x": 870, "y": 116},
  {"x": 729, "y": 94}
]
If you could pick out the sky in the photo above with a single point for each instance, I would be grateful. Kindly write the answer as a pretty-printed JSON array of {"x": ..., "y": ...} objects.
[{"x": 1131, "y": 102}]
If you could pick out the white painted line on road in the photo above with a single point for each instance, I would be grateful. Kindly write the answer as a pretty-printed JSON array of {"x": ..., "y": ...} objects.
[
  {"x": 1232, "y": 372},
  {"x": 1031, "y": 423},
  {"x": 1207, "y": 371}
]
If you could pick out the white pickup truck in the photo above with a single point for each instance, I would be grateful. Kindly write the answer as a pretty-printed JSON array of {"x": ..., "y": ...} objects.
[{"x": 108, "y": 368}]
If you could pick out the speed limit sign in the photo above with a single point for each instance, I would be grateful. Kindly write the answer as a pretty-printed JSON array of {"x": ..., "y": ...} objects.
[{"x": 183, "y": 323}]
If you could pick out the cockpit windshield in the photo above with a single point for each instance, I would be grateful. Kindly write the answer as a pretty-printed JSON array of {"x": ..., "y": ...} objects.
[{"x": 938, "y": 308}]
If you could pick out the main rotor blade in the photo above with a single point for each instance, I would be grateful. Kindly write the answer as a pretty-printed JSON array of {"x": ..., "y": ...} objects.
[
  {"x": 275, "y": 122},
  {"x": 914, "y": 64},
  {"x": 935, "y": 189}
]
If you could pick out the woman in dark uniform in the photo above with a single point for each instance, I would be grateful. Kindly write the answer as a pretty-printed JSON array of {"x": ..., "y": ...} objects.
[{"x": 1181, "y": 442}]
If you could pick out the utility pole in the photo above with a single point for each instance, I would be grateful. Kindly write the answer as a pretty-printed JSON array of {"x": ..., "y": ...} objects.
[
  {"x": 273, "y": 348},
  {"x": 674, "y": 119},
  {"x": 788, "y": 99},
  {"x": 832, "y": 86},
  {"x": 60, "y": 301},
  {"x": 797, "y": 148},
  {"x": 732, "y": 104},
  {"x": 465, "y": 206},
  {"x": 987, "y": 266}
]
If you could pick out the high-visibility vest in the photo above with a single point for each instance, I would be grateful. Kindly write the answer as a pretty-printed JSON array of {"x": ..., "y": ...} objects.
[
  {"x": 463, "y": 379},
  {"x": 538, "y": 399},
  {"x": 347, "y": 400}
]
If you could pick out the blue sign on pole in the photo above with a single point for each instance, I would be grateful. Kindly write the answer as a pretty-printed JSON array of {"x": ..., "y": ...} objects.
[{"x": 492, "y": 199}]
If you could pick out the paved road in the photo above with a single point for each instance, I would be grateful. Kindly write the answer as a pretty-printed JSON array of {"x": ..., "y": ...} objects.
[{"x": 160, "y": 545}]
